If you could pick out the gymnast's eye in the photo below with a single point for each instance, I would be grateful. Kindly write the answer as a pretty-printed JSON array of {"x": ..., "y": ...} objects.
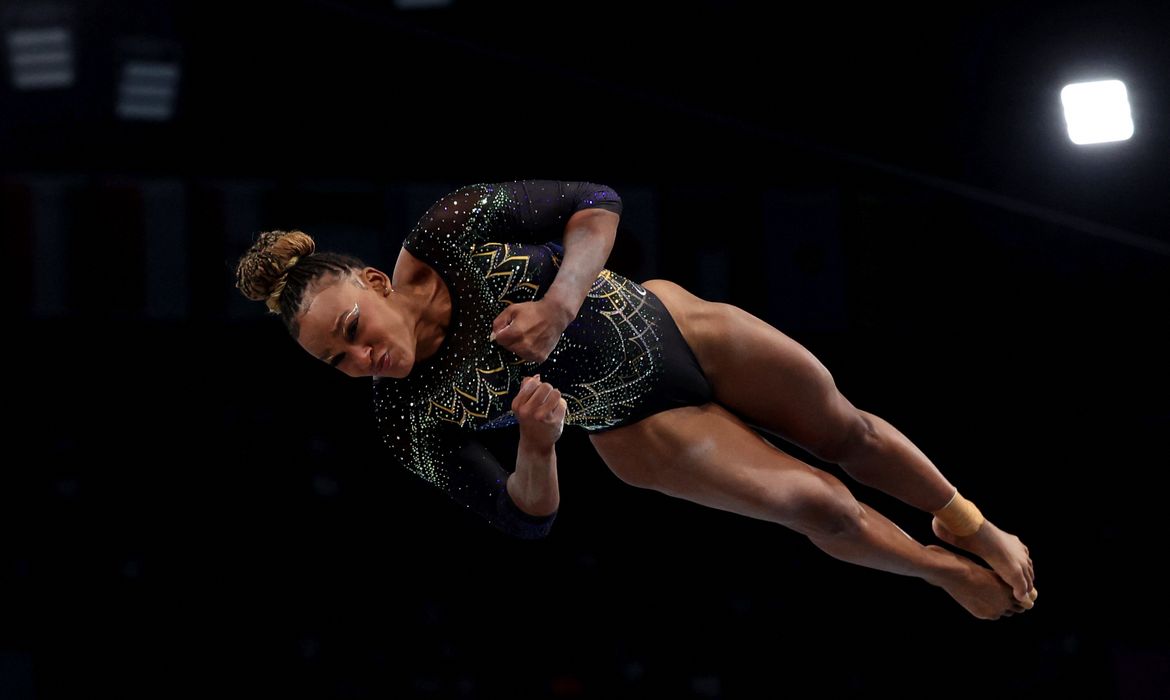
[
  {"x": 353, "y": 329},
  {"x": 350, "y": 333}
]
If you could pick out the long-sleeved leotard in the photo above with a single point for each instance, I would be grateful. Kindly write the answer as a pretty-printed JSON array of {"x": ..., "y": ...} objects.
[{"x": 619, "y": 360}]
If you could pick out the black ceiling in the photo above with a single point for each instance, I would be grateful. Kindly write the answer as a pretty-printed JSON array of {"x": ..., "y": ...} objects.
[{"x": 626, "y": 91}]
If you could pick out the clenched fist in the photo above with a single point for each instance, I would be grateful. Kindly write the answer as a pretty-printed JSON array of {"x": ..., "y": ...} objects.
[
  {"x": 540, "y": 410},
  {"x": 531, "y": 329}
]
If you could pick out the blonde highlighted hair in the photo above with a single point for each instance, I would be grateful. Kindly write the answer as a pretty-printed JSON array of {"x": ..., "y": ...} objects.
[{"x": 281, "y": 266}]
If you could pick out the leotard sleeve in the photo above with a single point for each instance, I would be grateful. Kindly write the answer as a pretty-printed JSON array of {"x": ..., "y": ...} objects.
[{"x": 523, "y": 211}]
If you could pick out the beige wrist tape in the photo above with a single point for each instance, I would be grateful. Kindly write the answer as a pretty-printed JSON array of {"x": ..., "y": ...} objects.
[{"x": 960, "y": 516}]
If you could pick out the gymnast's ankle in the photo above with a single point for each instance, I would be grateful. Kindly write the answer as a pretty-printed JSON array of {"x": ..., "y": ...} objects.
[{"x": 959, "y": 516}]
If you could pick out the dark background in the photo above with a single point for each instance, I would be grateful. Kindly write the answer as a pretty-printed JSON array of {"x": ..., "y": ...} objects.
[{"x": 194, "y": 507}]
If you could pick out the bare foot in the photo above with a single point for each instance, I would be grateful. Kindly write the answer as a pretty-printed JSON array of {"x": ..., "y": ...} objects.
[
  {"x": 1004, "y": 552},
  {"x": 976, "y": 588}
]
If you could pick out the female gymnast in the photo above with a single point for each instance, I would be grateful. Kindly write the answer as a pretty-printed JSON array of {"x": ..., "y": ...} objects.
[{"x": 487, "y": 322}]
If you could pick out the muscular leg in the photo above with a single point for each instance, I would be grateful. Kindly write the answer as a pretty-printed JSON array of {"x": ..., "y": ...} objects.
[
  {"x": 707, "y": 455},
  {"x": 773, "y": 382}
]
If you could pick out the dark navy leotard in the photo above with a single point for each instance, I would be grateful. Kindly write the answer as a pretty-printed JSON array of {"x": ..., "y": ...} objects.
[{"x": 621, "y": 359}]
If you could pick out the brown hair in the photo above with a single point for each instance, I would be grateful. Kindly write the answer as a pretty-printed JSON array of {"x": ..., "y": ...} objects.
[{"x": 281, "y": 266}]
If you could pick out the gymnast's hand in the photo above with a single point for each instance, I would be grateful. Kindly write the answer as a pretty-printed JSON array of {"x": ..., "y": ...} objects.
[
  {"x": 530, "y": 329},
  {"x": 540, "y": 410}
]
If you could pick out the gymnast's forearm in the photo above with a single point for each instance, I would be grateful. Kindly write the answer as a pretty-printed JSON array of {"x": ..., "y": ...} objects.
[
  {"x": 588, "y": 239},
  {"x": 533, "y": 486}
]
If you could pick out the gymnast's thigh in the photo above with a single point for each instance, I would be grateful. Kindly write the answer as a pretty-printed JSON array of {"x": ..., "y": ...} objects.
[
  {"x": 764, "y": 376},
  {"x": 708, "y": 455}
]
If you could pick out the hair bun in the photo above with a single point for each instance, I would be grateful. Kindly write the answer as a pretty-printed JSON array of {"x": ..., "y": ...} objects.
[{"x": 262, "y": 271}]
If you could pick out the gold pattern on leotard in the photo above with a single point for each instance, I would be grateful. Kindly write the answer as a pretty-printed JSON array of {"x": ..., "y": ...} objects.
[{"x": 481, "y": 240}]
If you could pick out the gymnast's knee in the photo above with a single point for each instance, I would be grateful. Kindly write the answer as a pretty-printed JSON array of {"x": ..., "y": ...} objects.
[
  {"x": 854, "y": 436},
  {"x": 828, "y": 510}
]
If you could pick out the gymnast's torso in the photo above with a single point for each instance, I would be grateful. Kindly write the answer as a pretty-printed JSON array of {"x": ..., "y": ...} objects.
[{"x": 620, "y": 359}]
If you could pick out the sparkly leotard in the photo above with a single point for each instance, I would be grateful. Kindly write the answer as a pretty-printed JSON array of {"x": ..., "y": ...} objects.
[{"x": 621, "y": 359}]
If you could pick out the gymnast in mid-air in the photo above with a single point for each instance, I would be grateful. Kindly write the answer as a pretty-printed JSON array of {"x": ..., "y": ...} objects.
[{"x": 487, "y": 321}]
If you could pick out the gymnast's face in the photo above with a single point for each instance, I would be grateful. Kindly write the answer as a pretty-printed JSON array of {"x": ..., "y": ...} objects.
[{"x": 358, "y": 325}]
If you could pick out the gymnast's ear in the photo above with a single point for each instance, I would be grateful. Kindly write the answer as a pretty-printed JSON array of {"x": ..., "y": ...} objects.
[{"x": 375, "y": 280}]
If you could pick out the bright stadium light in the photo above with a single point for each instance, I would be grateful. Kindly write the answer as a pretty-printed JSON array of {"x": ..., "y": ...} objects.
[{"x": 1097, "y": 112}]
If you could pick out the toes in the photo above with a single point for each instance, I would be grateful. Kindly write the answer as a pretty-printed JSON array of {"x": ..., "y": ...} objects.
[
  {"x": 1028, "y": 601},
  {"x": 1020, "y": 590},
  {"x": 1025, "y": 595}
]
